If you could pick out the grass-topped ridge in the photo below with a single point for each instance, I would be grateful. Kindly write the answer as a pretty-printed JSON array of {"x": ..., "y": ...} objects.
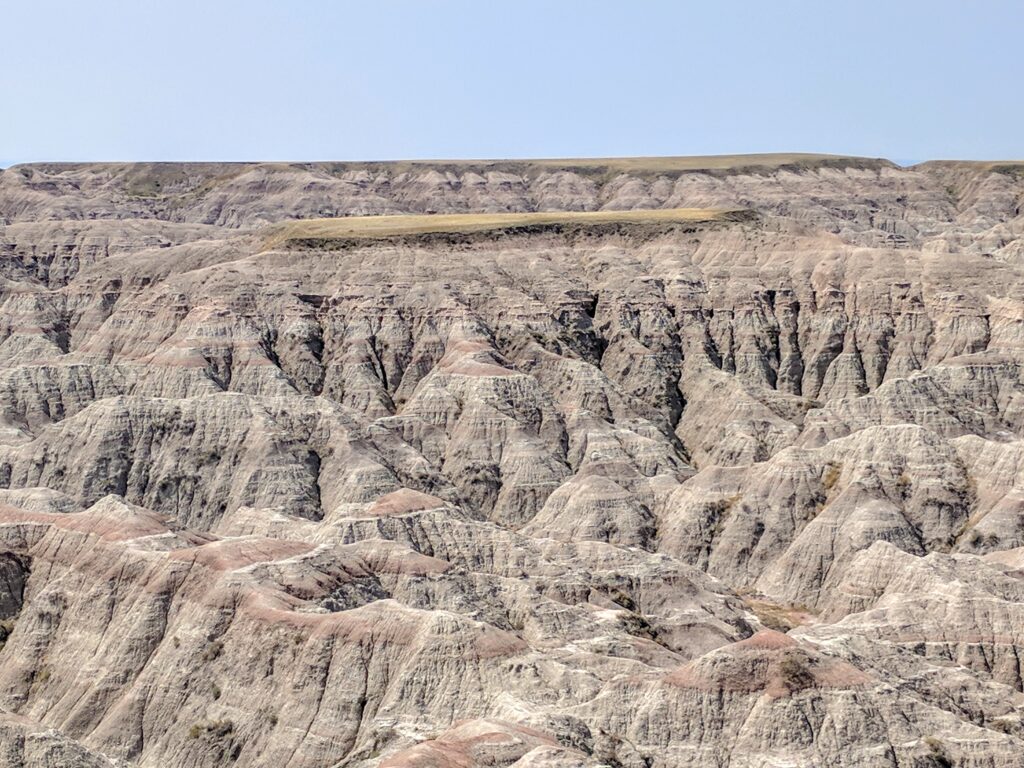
[
  {"x": 145, "y": 175},
  {"x": 308, "y": 232},
  {"x": 991, "y": 166},
  {"x": 669, "y": 164}
]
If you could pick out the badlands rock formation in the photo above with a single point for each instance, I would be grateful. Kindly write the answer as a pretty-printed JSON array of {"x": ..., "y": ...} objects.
[{"x": 733, "y": 486}]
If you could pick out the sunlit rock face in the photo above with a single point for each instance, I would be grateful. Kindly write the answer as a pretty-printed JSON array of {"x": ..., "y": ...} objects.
[{"x": 738, "y": 488}]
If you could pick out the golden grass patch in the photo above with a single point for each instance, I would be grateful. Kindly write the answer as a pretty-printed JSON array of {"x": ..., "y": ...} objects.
[{"x": 356, "y": 227}]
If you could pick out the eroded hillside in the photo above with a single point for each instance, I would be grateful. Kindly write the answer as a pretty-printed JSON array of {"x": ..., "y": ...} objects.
[{"x": 729, "y": 472}]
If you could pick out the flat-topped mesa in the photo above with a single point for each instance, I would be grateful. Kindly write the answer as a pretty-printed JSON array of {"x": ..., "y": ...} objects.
[
  {"x": 161, "y": 176},
  {"x": 332, "y": 233}
]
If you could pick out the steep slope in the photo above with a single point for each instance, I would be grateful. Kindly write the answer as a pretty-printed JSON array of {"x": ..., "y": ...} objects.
[{"x": 654, "y": 462}]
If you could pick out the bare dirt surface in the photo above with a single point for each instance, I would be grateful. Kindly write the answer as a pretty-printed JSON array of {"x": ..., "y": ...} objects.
[{"x": 638, "y": 463}]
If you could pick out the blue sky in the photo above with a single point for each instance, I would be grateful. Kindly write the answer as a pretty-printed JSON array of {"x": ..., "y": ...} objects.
[{"x": 380, "y": 79}]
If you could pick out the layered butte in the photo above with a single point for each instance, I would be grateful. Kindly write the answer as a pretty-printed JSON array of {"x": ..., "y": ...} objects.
[{"x": 641, "y": 463}]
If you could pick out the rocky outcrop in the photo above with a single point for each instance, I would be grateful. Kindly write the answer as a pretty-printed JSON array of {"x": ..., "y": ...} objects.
[{"x": 715, "y": 489}]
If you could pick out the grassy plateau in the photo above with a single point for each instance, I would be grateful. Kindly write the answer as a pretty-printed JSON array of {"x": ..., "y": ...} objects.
[{"x": 371, "y": 227}]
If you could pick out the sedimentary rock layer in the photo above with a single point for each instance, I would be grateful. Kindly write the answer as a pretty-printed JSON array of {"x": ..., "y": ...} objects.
[{"x": 737, "y": 487}]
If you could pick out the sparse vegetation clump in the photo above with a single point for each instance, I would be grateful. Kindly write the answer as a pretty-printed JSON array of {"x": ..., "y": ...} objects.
[
  {"x": 795, "y": 674},
  {"x": 638, "y": 626},
  {"x": 213, "y": 650},
  {"x": 621, "y": 597},
  {"x": 777, "y": 616},
  {"x": 213, "y": 729},
  {"x": 41, "y": 677},
  {"x": 937, "y": 754},
  {"x": 6, "y": 628},
  {"x": 904, "y": 485},
  {"x": 833, "y": 471},
  {"x": 1002, "y": 725}
]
